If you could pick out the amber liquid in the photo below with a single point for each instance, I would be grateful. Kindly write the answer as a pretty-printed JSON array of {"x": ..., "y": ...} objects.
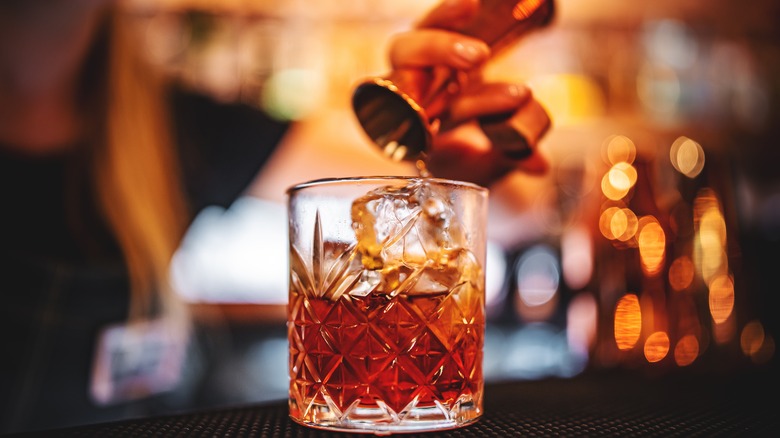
[{"x": 406, "y": 361}]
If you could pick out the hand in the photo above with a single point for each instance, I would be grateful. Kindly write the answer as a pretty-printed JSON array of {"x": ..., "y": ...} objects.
[{"x": 461, "y": 150}]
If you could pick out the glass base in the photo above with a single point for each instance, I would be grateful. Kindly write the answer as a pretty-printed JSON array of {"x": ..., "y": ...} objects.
[{"x": 380, "y": 420}]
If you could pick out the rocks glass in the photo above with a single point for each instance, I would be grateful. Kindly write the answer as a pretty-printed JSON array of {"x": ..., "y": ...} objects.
[{"x": 386, "y": 313}]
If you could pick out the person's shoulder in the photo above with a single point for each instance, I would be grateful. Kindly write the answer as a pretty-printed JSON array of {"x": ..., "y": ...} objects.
[
  {"x": 202, "y": 118},
  {"x": 222, "y": 145}
]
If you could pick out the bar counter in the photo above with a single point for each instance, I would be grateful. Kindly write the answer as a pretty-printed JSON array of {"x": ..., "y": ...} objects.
[{"x": 592, "y": 404}]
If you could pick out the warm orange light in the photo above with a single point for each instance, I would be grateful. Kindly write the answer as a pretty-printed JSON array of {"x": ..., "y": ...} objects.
[
  {"x": 525, "y": 8},
  {"x": 628, "y": 321},
  {"x": 618, "y": 148},
  {"x": 618, "y": 224},
  {"x": 656, "y": 347},
  {"x": 706, "y": 199},
  {"x": 687, "y": 157},
  {"x": 570, "y": 98},
  {"x": 605, "y": 222},
  {"x": 712, "y": 240},
  {"x": 623, "y": 174},
  {"x": 686, "y": 350},
  {"x": 610, "y": 191},
  {"x": 681, "y": 273},
  {"x": 766, "y": 352},
  {"x": 721, "y": 298},
  {"x": 724, "y": 332},
  {"x": 710, "y": 243},
  {"x": 752, "y": 338},
  {"x": 652, "y": 245},
  {"x": 618, "y": 180},
  {"x": 624, "y": 224}
]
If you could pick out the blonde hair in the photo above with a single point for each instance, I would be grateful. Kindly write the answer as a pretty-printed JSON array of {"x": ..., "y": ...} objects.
[{"x": 137, "y": 174}]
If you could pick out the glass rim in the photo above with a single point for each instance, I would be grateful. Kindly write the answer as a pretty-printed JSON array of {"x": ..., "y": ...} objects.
[{"x": 379, "y": 178}]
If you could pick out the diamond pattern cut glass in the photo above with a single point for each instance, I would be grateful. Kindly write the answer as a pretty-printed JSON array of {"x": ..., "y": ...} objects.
[{"x": 386, "y": 309}]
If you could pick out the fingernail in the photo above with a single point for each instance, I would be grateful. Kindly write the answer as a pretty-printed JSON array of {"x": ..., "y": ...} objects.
[
  {"x": 471, "y": 53},
  {"x": 519, "y": 93}
]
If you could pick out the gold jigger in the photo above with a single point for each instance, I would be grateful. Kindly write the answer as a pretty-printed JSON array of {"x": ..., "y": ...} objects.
[{"x": 402, "y": 111}]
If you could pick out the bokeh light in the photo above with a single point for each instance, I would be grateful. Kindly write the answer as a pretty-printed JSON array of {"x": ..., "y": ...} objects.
[
  {"x": 721, "y": 298},
  {"x": 686, "y": 351},
  {"x": 577, "y": 257},
  {"x": 570, "y": 98},
  {"x": 624, "y": 224},
  {"x": 582, "y": 317},
  {"x": 710, "y": 243},
  {"x": 670, "y": 42},
  {"x": 292, "y": 94},
  {"x": 687, "y": 157},
  {"x": 681, "y": 273},
  {"x": 622, "y": 175},
  {"x": 628, "y": 322},
  {"x": 618, "y": 181},
  {"x": 618, "y": 223},
  {"x": 752, "y": 338},
  {"x": 656, "y": 347},
  {"x": 724, "y": 332},
  {"x": 659, "y": 90},
  {"x": 538, "y": 276},
  {"x": 765, "y": 353},
  {"x": 652, "y": 245},
  {"x": 605, "y": 222},
  {"x": 495, "y": 273},
  {"x": 617, "y": 149}
]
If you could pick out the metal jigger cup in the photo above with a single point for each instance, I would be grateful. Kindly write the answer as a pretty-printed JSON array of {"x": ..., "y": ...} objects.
[{"x": 402, "y": 111}]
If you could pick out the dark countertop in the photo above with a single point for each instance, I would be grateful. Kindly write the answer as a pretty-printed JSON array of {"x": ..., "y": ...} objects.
[{"x": 592, "y": 404}]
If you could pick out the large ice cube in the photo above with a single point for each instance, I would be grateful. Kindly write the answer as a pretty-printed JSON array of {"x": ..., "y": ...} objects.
[
  {"x": 460, "y": 267},
  {"x": 413, "y": 225}
]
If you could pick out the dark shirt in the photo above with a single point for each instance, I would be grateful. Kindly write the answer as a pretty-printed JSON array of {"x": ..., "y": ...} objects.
[{"x": 62, "y": 276}]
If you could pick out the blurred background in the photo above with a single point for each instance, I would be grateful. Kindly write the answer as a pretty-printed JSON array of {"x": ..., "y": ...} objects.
[{"x": 650, "y": 245}]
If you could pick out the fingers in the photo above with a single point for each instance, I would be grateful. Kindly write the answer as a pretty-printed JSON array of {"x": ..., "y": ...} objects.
[
  {"x": 494, "y": 130},
  {"x": 531, "y": 122},
  {"x": 509, "y": 115},
  {"x": 450, "y": 14},
  {"x": 467, "y": 154},
  {"x": 488, "y": 129},
  {"x": 432, "y": 47},
  {"x": 489, "y": 99},
  {"x": 435, "y": 40}
]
